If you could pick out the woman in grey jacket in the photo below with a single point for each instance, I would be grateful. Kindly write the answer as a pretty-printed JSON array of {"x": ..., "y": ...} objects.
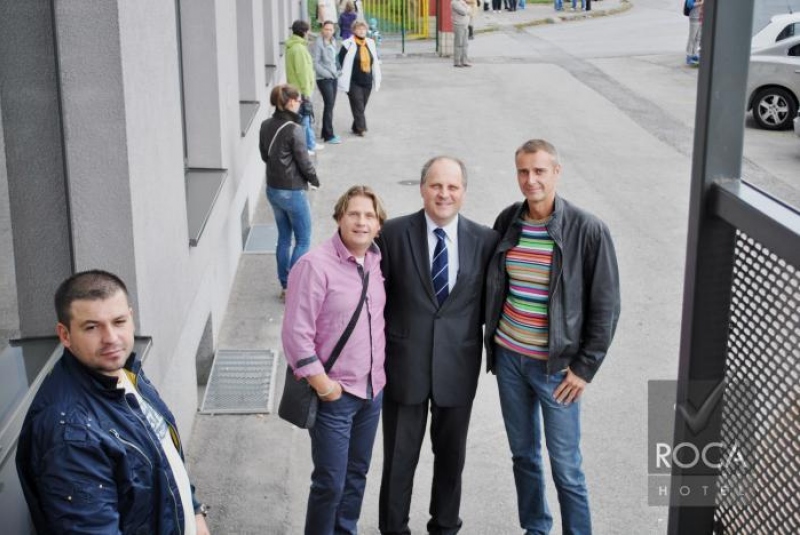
[
  {"x": 289, "y": 173},
  {"x": 324, "y": 55}
]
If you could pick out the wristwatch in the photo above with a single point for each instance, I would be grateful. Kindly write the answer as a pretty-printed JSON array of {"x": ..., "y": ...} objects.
[{"x": 202, "y": 510}]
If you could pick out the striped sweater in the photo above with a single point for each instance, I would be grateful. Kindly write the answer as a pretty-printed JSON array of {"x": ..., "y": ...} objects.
[{"x": 523, "y": 326}]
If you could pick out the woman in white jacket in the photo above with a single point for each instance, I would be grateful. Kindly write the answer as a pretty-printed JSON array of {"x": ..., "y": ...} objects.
[{"x": 361, "y": 72}]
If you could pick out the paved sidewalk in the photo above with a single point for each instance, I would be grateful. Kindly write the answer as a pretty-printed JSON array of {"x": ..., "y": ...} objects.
[{"x": 254, "y": 469}]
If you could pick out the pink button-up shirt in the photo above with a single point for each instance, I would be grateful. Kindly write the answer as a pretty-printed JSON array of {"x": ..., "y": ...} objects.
[{"x": 323, "y": 291}]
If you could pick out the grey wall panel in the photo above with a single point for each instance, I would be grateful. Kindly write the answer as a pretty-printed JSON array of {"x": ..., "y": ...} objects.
[
  {"x": 95, "y": 140},
  {"x": 33, "y": 160}
]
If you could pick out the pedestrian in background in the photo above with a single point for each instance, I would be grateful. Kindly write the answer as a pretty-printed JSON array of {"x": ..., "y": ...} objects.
[
  {"x": 552, "y": 305},
  {"x": 300, "y": 73},
  {"x": 340, "y": 280},
  {"x": 473, "y": 14},
  {"x": 559, "y": 5},
  {"x": 461, "y": 14},
  {"x": 289, "y": 173},
  {"x": 327, "y": 78},
  {"x": 326, "y": 10},
  {"x": 346, "y": 20},
  {"x": 361, "y": 73},
  {"x": 695, "y": 9}
]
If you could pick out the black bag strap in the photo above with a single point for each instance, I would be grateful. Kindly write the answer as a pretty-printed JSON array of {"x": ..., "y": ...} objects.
[{"x": 350, "y": 326}]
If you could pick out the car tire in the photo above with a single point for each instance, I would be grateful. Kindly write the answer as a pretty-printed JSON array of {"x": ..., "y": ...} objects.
[{"x": 774, "y": 108}]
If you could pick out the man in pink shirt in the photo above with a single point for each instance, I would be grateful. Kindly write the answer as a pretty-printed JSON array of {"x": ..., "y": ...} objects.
[{"x": 324, "y": 290}]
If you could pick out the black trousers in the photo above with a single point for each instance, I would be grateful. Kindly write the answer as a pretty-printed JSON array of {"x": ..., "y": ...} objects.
[
  {"x": 497, "y": 4},
  {"x": 403, "y": 433},
  {"x": 327, "y": 88},
  {"x": 359, "y": 96}
]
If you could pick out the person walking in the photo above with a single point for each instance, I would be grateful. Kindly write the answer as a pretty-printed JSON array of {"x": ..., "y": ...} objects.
[
  {"x": 361, "y": 73},
  {"x": 99, "y": 450},
  {"x": 434, "y": 264},
  {"x": 552, "y": 306},
  {"x": 473, "y": 14},
  {"x": 289, "y": 174},
  {"x": 340, "y": 279},
  {"x": 300, "y": 73},
  {"x": 346, "y": 20},
  {"x": 327, "y": 78},
  {"x": 460, "y": 13},
  {"x": 695, "y": 9}
]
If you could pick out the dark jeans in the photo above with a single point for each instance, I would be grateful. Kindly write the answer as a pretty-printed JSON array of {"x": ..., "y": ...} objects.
[
  {"x": 341, "y": 448},
  {"x": 327, "y": 88},
  {"x": 359, "y": 96}
]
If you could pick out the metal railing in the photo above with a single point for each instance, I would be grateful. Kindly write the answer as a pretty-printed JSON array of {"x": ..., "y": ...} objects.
[
  {"x": 741, "y": 317},
  {"x": 408, "y": 17}
]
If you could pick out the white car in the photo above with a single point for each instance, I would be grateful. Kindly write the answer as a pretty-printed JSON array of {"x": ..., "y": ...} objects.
[
  {"x": 773, "y": 84},
  {"x": 797, "y": 125},
  {"x": 780, "y": 27}
]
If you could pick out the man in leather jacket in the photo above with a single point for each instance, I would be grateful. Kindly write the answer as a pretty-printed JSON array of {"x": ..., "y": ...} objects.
[
  {"x": 99, "y": 451},
  {"x": 552, "y": 305}
]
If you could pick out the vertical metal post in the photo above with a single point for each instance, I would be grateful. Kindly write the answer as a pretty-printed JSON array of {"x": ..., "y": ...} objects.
[{"x": 717, "y": 155}]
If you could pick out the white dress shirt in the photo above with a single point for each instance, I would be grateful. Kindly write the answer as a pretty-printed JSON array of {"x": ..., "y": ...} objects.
[{"x": 451, "y": 231}]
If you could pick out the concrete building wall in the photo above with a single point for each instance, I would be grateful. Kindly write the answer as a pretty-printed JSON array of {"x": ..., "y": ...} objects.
[
  {"x": 117, "y": 199},
  {"x": 38, "y": 207}
]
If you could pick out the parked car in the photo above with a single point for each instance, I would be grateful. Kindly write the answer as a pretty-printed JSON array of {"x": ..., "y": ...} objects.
[
  {"x": 797, "y": 124},
  {"x": 773, "y": 84},
  {"x": 780, "y": 27}
]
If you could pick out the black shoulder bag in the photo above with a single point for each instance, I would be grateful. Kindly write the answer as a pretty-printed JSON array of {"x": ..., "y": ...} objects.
[{"x": 299, "y": 401}]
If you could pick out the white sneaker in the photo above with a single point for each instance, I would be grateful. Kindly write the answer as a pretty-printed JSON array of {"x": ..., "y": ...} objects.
[
  {"x": 311, "y": 153},
  {"x": 319, "y": 146}
]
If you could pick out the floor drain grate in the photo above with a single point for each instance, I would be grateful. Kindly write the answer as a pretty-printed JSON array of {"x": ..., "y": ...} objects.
[
  {"x": 261, "y": 239},
  {"x": 241, "y": 382}
]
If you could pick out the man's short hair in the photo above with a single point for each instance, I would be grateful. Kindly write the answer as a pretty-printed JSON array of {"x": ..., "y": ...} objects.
[
  {"x": 300, "y": 27},
  {"x": 92, "y": 285},
  {"x": 539, "y": 145},
  {"x": 340, "y": 207},
  {"x": 423, "y": 176}
]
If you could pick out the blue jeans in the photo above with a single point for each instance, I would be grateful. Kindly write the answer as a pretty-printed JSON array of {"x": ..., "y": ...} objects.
[
  {"x": 292, "y": 215},
  {"x": 559, "y": 5},
  {"x": 311, "y": 140},
  {"x": 341, "y": 448},
  {"x": 575, "y": 3},
  {"x": 526, "y": 397},
  {"x": 521, "y": 4}
]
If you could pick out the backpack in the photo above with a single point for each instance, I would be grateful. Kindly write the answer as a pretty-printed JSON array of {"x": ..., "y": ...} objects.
[{"x": 687, "y": 7}]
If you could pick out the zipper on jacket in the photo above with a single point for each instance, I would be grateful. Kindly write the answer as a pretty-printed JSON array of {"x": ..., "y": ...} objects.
[{"x": 131, "y": 445}]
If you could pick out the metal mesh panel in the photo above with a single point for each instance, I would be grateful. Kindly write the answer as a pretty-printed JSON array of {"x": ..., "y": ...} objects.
[
  {"x": 241, "y": 382},
  {"x": 759, "y": 487}
]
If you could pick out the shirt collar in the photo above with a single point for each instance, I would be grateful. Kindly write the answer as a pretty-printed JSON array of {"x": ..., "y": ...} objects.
[
  {"x": 344, "y": 253},
  {"x": 451, "y": 229}
]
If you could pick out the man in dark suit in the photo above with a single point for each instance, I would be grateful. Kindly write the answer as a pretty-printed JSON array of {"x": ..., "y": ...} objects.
[{"x": 434, "y": 263}]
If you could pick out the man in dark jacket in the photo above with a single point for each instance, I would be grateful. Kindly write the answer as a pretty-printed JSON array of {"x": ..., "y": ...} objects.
[
  {"x": 99, "y": 451},
  {"x": 552, "y": 305},
  {"x": 434, "y": 263}
]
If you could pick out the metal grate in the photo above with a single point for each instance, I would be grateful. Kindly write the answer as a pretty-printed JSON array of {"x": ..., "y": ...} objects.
[
  {"x": 261, "y": 239},
  {"x": 241, "y": 382},
  {"x": 759, "y": 484}
]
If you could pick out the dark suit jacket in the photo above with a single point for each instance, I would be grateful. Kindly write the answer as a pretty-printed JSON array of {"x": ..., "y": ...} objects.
[{"x": 433, "y": 351}]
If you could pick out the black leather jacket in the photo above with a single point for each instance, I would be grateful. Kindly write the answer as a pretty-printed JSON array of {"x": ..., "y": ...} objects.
[
  {"x": 288, "y": 164},
  {"x": 584, "y": 287}
]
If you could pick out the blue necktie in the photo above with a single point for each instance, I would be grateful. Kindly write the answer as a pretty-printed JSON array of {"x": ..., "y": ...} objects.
[{"x": 439, "y": 269}]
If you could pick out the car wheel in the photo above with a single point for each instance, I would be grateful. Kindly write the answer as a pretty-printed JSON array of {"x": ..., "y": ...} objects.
[{"x": 774, "y": 108}]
